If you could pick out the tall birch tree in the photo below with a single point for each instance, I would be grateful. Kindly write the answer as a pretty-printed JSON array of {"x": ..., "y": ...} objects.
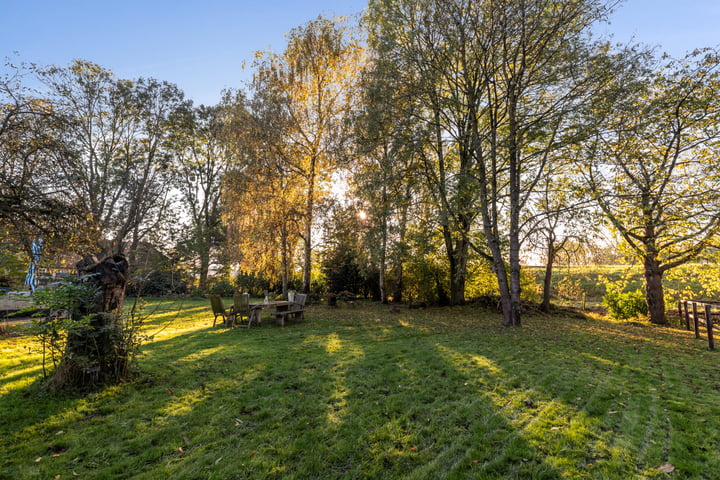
[{"x": 312, "y": 84}]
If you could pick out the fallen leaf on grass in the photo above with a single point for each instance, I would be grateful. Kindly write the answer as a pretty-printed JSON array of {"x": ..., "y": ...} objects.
[
  {"x": 218, "y": 460},
  {"x": 556, "y": 428},
  {"x": 38, "y": 459},
  {"x": 666, "y": 468},
  {"x": 413, "y": 449},
  {"x": 613, "y": 412}
]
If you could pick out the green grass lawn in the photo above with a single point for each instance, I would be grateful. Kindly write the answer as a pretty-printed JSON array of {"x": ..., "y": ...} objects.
[{"x": 365, "y": 393}]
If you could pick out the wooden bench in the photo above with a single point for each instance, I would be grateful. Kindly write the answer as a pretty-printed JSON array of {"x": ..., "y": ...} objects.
[{"x": 297, "y": 310}]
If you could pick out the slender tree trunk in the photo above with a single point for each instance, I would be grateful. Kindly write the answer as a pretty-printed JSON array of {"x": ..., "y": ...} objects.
[
  {"x": 654, "y": 295},
  {"x": 383, "y": 239},
  {"x": 400, "y": 258},
  {"x": 204, "y": 268},
  {"x": 458, "y": 280},
  {"x": 504, "y": 288},
  {"x": 514, "y": 241},
  {"x": 381, "y": 279},
  {"x": 310, "y": 207},
  {"x": 547, "y": 280},
  {"x": 398, "y": 290},
  {"x": 284, "y": 267}
]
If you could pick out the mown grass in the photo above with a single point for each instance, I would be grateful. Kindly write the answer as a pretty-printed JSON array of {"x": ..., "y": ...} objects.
[{"x": 365, "y": 393}]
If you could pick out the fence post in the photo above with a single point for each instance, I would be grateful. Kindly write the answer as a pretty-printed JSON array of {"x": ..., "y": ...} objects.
[
  {"x": 695, "y": 321},
  {"x": 709, "y": 324},
  {"x": 687, "y": 315},
  {"x": 680, "y": 310}
]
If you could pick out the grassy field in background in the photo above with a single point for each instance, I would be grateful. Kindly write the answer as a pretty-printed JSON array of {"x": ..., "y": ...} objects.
[
  {"x": 365, "y": 393},
  {"x": 584, "y": 286}
]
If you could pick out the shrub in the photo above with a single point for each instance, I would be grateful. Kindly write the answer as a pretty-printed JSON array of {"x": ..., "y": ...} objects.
[
  {"x": 223, "y": 288},
  {"x": 158, "y": 283},
  {"x": 624, "y": 305},
  {"x": 252, "y": 283},
  {"x": 83, "y": 332}
]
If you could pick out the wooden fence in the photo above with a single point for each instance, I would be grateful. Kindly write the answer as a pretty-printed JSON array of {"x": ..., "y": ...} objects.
[{"x": 701, "y": 313}]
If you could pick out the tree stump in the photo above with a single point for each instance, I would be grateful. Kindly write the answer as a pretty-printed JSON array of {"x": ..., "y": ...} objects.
[{"x": 97, "y": 351}]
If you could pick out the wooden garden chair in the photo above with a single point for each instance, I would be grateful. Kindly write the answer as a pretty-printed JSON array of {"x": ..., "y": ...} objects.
[
  {"x": 218, "y": 309},
  {"x": 240, "y": 310}
]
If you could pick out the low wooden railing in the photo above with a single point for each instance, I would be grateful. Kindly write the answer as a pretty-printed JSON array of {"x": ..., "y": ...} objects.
[{"x": 701, "y": 313}]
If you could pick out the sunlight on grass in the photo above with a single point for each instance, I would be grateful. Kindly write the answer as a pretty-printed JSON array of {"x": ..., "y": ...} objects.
[
  {"x": 345, "y": 354},
  {"x": 180, "y": 405},
  {"x": 363, "y": 393},
  {"x": 19, "y": 378},
  {"x": 201, "y": 354},
  {"x": 333, "y": 344}
]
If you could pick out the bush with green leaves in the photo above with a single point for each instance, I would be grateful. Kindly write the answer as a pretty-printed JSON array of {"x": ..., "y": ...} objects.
[
  {"x": 222, "y": 287},
  {"x": 105, "y": 343},
  {"x": 622, "y": 304}
]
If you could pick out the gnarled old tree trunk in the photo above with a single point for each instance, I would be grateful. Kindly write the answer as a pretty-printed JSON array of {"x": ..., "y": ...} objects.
[{"x": 97, "y": 352}]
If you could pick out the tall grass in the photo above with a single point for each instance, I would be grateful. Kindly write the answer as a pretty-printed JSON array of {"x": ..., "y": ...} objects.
[{"x": 365, "y": 393}]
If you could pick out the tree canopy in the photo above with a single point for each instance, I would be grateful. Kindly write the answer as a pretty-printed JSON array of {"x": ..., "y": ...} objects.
[{"x": 449, "y": 137}]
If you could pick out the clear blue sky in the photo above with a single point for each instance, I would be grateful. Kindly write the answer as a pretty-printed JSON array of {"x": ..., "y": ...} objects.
[{"x": 201, "y": 45}]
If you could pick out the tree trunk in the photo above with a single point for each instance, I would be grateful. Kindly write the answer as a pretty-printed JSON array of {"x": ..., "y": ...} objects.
[
  {"x": 381, "y": 279},
  {"x": 459, "y": 278},
  {"x": 97, "y": 353},
  {"x": 457, "y": 254},
  {"x": 310, "y": 207},
  {"x": 547, "y": 280},
  {"x": 284, "y": 261},
  {"x": 400, "y": 256},
  {"x": 654, "y": 295},
  {"x": 383, "y": 244},
  {"x": 504, "y": 288},
  {"x": 515, "y": 205},
  {"x": 204, "y": 267}
]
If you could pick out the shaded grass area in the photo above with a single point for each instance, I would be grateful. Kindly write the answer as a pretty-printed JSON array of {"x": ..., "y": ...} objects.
[{"x": 364, "y": 393}]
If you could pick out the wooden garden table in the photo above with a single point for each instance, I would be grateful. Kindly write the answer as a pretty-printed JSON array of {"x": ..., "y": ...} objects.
[{"x": 256, "y": 309}]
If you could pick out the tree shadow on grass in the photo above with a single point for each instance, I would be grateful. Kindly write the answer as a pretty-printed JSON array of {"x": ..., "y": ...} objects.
[
  {"x": 325, "y": 405},
  {"x": 365, "y": 396}
]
